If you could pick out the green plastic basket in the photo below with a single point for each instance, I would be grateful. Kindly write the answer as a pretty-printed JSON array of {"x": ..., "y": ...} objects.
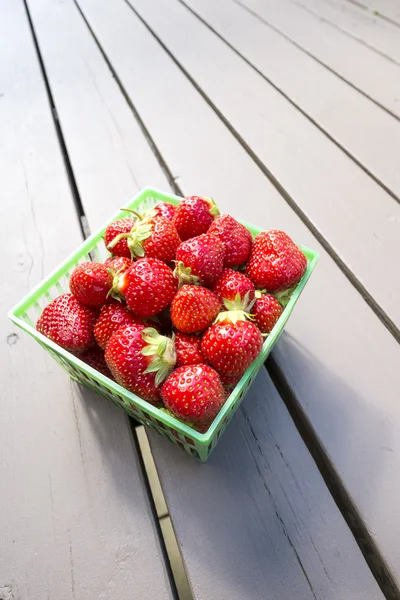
[{"x": 28, "y": 310}]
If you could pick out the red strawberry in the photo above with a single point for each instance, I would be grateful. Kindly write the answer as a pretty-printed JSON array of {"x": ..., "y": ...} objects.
[
  {"x": 90, "y": 283},
  {"x": 68, "y": 323},
  {"x": 194, "y": 393},
  {"x": 194, "y": 308},
  {"x": 164, "y": 209},
  {"x": 230, "y": 381},
  {"x": 275, "y": 263},
  {"x": 266, "y": 311},
  {"x": 188, "y": 349},
  {"x": 140, "y": 359},
  {"x": 112, "y": 317},
  {"x": 200, "y": 260},
  {"x": 194, "y": 216},
  {"x": 152, "y": 236},
  {"x": 231, "y": 347},
  {"x": 235, "y": 237},
  {"x": 234, "y": 287},
  {"x": 94, "y": 357},
  {"x": 117, "y": 228},
  {"x": 149, "y": 286},
  {"x": 118, "y": 264}
]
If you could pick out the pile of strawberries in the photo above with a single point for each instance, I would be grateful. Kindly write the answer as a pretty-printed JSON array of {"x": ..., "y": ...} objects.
[{"x": 179, "y": 311}]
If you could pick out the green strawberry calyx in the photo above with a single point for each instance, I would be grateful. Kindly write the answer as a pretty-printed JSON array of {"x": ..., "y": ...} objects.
[
  {"x": 161, "y": 349},
  {"x": 141, "y": 230},
  {"x": 184, "y": 275},
  {"x": 238, "y": 309},
  {"x": 214, "y": 210},
  {"x": 115, "y": 291},
  {"x": 284, "y": 296}
]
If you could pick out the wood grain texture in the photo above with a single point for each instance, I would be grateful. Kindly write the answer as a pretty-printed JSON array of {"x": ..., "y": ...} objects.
[
  {"x": 257, "y": 520},
  {"x": 370, "y": 135},
  {"x": 365, "y": 27},
  {"x": 386, "y": 9},
  {"x": 342, "y": 363},
  {"x": 75, "y": 519},
  {"x": 101, "y": 132},
  {"x": 359, "y": 65},
  {"x": 327, "y": 186}
]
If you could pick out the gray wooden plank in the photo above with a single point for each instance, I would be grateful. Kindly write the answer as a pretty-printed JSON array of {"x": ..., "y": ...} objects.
[
  {"x": 360, "y": 66},
  {"x": 101, "y": 131},
  {"x": 75, "y": 519},
  {"x": 387, "y": 9},
  {"x": 325, "y": 183},
  {"x": 345, "y": 374},
  {"x": 257, "y": 520},
  {"x": 370, "y": 135},
  {"x": 366, "y": 27}
]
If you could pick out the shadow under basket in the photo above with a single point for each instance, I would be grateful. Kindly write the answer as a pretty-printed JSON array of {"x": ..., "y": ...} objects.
[{"x": 28, "y": 310}]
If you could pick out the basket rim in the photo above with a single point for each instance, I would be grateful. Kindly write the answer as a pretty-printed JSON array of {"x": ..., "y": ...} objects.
[{"x": 203, "y": 439}]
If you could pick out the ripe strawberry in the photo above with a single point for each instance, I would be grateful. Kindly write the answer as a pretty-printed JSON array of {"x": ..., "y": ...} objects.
[
  {"x": 118, "y": 264},
  {"x": 194, "y": 216},
  {"x": 68, "y": 323},
  {"x": 140, "y": 359},
  {"x": 194, "y": 308},
  {"x": 90, "y": 283},
  {"x": 194, "y": 393},
  {"x": 231, "y": 347},
  {"x": 114, "y": 230},
  {"x": 164, "y": 209},
  {"x": 230, "y": 381},
  {"x": 188, "y": 349},
  {"x": 235, "y": 237},
  {"x": 112, "y": 317},
  {"x": 200, "y": 260},
  {"x": 94, "y": 357},
  {"x": 234, "y": 287},
  {"x": 149, "y": 286},
  {"x": 266, "y": 311},
  {"x": 152, "y": 236},
  {"x": 275, "y": 263}
]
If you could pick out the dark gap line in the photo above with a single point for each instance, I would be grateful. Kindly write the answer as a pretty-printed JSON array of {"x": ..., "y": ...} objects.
[
  {"x": 293, "y": 103},
  {"x": 368, "y": 547},
  {"x": 380, "y": 313},
  {"x": 67, "y": 162},
  {"x": 344, "y": 31},
  {"x": 376, "y": 13},
  {"x": 163, "y": 164},
  {"x": 157, "y": 525},
  {"x": 267, "y": 24}
]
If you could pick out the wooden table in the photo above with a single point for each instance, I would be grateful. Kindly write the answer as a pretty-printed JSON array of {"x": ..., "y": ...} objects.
[{"x": 286, "y": 112}]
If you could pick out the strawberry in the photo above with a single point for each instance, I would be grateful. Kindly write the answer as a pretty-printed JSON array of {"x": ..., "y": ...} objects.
[
  {"x": 118, "y": 264},
  {"x": 200, "y": 260},
  {"x": 114, "y": 230},
  {"x": 90, "y": 283},
  {"x": 140, "y": 359},
  {"x": 194, "y": 216},
  {"x": 94, "y": 357},
  {"x": 234, "y": 287},
  {"x": 112, "y": 317},
  {"x": 68, "y": 323},
  {"x": 194, "y": 393},
  {"x": 194, "y": 308},
  {"x": 188, "y": 349},
  {"x": 164, "y": 209},
  {"x": 148, "y": 285},
  {"x": 230, "y": 346},
  {"x": 266, "y": 311},
  {"x": 275, "y": 263},
  {"x": 230, "y": 381},
  {"x": 152, "y": 236},
  {"x": 235, "y": 237}
]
